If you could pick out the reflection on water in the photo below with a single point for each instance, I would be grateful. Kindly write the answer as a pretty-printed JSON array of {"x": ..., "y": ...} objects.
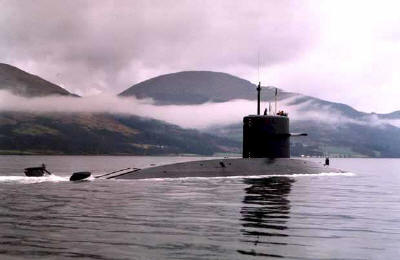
[{"x": 265, "y": 213}]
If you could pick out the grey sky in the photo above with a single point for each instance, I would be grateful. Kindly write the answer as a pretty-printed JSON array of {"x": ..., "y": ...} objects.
[{"x": 345, "y": 51}]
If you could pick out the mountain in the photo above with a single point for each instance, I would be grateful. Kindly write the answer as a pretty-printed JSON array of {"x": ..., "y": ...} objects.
[
  {"x": 196, "y": 87},
  {"x": 83, "y": 133},
  {"x": 333, "y": 128},
  {"x": 24, "y": 84}
]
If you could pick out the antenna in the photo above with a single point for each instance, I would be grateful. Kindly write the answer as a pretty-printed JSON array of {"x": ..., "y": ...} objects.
[
  {"x": 276, "y": 100},
  {"x": 259, "y": 87},
  {"x": 258, "y": 97},
  {"x": 258, "y": 66}
]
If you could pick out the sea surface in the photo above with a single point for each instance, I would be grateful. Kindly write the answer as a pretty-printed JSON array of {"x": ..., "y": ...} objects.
[{"x": 354, "y": 215}]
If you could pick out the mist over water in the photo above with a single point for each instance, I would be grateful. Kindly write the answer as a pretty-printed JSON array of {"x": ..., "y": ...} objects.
[{"x": 347, "y": 216}]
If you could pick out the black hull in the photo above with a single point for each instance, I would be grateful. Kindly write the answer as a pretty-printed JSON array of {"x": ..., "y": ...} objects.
[{"x": 229, "y": 167}]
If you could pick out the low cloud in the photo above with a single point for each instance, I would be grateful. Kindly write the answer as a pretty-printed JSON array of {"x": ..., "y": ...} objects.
[{"x": 187, "y": 116}]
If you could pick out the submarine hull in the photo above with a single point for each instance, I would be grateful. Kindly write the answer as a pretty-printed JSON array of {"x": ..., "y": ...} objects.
[{"x": 229, "y": 167}]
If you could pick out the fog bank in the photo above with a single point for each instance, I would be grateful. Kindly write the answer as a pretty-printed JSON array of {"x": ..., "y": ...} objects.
[{"x": 187, "y": 116}]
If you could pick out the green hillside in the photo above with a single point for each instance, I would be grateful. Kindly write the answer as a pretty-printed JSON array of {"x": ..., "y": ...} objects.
[{"x": 103, "y": 134}]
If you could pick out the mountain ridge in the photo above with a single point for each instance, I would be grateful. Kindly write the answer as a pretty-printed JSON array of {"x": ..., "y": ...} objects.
[
  {"x": 22, "y": 83},
  {"x": 333, "y": 127},
  {"x": 186, "y": 91},
  {"x": 195, "y": 87},
  {"x": 339, "y": 128}
]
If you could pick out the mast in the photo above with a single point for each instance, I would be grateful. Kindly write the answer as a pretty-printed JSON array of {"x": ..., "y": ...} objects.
[
  {"x": 276, "y": 101},
  {"x": 258, "y": 97}
]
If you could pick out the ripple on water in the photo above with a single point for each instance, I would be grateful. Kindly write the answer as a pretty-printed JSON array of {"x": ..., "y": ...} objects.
[{"x": 345, "y": 216}]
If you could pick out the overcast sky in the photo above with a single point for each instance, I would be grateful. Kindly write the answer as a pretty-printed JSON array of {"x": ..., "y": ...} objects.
[{"x": 343, "y": 51}]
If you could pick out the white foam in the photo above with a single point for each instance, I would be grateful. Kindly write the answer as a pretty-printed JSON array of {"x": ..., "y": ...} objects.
[
  {"x": 323, "y": 174},
  {"x": 349, "y": 174},
  {"x": 26, "y": 180},
  {"x": 55, "y": 178}
]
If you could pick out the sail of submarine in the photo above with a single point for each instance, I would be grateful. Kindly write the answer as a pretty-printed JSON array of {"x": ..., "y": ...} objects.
[{"x": 266, "y": 151}]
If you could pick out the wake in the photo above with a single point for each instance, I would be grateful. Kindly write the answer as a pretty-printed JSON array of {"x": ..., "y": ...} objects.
[
  {"x": 322, "y": 174},
  {"x": 28, "y": 180}
]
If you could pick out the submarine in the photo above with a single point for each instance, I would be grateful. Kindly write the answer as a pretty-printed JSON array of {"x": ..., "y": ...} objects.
[{"x": 266, "y": 152}]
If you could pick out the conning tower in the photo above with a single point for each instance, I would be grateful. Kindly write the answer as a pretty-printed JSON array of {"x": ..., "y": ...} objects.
[{"x": 266, "y": 136}]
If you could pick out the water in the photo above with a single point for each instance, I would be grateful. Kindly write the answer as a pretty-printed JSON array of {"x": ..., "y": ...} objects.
[{"x": 348, "y": 216}]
